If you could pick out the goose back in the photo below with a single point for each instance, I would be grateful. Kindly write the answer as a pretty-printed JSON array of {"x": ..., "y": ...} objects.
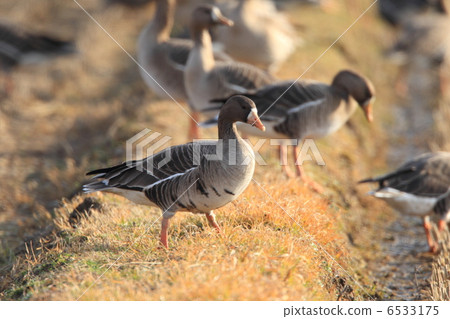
[{"x": 309, "y": 109}]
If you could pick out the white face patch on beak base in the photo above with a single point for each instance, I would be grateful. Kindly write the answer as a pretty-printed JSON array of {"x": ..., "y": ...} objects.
[
  {"x": 254, "y": 120},
  {"x": 215, "y": 14}
]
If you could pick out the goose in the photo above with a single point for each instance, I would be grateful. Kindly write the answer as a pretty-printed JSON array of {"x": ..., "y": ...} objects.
[
  {"x": 395, "y": 12},
  {"x": 261, "y": 35},
  {"x": 19, "y": 47},
  {"x": 424, "y": 41},
  {"x": 418, "y": 187},
  {"x": 163, "y": 59},
  {"x": 309, "y": 109},
  {"x": 198, "y": 177},
  {"x": 128, "y": 3},
  {"x": 204, "y": 78}
]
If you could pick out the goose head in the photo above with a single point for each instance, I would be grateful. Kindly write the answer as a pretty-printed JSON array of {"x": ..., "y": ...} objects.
[
  {"x": 360, "y": 88},
  {"x": 239, "y": 108},
  {"x": 205, "y": 16}
]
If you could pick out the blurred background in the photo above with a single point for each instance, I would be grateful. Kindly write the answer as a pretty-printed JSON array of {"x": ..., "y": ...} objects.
[{"x": 61, "y": 118}]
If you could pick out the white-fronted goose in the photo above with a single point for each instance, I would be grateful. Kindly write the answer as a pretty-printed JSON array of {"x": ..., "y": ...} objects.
[
  {"x": 419, "y": 187},
  {"x": 261, "y": 35},
  {"x": 20, "y": 47},
  {"x": 309, "y": 109},
  {"x": 204, "y": 78},
  {"x": 164, "y": 58},
  {"x": 199, "y": 177}
]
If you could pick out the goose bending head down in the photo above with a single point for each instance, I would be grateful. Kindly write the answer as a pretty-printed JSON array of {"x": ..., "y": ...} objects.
[
  {"x": 419, "y": 187},
  {"x": 198, "y": 177},
  {"x": 297, "y": 110}
]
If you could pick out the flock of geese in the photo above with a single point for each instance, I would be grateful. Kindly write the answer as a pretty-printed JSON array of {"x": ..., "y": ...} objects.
[{"x": 247, "y": 99}]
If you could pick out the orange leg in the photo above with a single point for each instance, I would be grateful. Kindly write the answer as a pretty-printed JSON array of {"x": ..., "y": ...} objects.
[
  {"x": 444, "y": 84},
  {"x": 427, "y": 225},
  {"x": 300, "y": 173},
  {"x": 212, "y": 221},
  {"x": 442, "y": 224},
  {"x": 164, "y": 232},
  {"x": 400, "y": 85},
  {"x": 8, "y": 84},
  {"x": 193, "y": 129},
  {"x": 284, "y": 162}
]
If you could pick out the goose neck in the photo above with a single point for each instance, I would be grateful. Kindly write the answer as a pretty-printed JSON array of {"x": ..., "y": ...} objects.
[
  {"x": 161, "y": 25},
  {"x": 203, "y": 47},
  {"x": 227, "y": 130}
]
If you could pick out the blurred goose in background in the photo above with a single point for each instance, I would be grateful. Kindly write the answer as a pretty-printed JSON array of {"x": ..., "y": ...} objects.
[
  {"x": 419, "y": 187},
  {"x": 128, "y": 3},
  {"x": 194, "y": 179},
  {"x": 425, "y": 41},
  {"x": 163, "y": 59},
  {"x": 19, "y": 47},
  {"x": 204, "y": 78},
  {"x": 309, "y": 109},
  {"x": 261, "y": 35},
  {"x": 396, "y": 12}
]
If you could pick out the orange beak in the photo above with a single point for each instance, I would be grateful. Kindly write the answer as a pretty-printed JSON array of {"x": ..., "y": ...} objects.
[
  {"x": 254, "y": 120},
  {"x": 368, "y": 112},
  {"x": 220, "y": 19}
]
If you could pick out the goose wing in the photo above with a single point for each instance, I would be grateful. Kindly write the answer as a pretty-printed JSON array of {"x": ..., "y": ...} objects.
[
  {"x": 239, "y": 78},
  {"x": 139, "y": 174},
  {"x": 178, "y": 52},
  {"x": 279, "y": 99},
  {"x": 427, "y": 175}
]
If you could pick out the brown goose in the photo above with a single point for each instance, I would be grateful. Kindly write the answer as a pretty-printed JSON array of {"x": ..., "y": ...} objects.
[
  {"x": 204, "y": 78},
  {"x": 163, "y": 59},
  {"x": 419, "y": 187},
  {"x": 196, "y": 178},
  {"x": 20, "y": 47},
  {"x": 309, "y": 109}
]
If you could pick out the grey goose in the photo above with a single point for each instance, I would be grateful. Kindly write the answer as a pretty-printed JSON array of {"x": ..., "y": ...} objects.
[
  {"x": 261, "y": 35},
  {"x": 425, "y": 42},
  {"x": 418, "y": 187},
  {"x": 18, "y": 47},
  {"x": 309, "y": 109},
  {"x": 195, "y": 178},
  {"x": 204, "y": 78},
  {"x": 163, "y": 59}
]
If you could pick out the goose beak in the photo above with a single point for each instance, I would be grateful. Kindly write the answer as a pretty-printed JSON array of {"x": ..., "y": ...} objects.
[
  {"x": 367, "y": 107},
  {"x": 217, "y": 17},
  {"x": 368, "y": 112},
  {"x": 254, "y": 120}
]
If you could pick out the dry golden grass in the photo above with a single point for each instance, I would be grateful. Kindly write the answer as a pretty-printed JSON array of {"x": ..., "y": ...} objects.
[
  {"x": 263, "y": 254},
  {"x": 75, "y": 114},
  {"x": 440, "y": 277}
]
